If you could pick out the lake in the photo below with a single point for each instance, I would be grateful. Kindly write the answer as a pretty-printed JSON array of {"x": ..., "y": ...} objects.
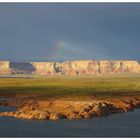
[{"x": 116, "y": 125}]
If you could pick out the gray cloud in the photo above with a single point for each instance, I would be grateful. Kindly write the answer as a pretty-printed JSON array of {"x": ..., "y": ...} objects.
[{"x": 92, "y": 31}]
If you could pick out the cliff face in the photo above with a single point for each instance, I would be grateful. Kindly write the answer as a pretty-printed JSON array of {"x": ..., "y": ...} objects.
[
  {"x": 81, "y": 67},
  {"x": 4, "y": 67}
]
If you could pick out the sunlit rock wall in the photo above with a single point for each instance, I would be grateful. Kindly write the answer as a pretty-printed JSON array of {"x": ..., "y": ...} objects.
[
  {"x": 79, "y": 67},
  {"x": 44, "y": 68},
  {"x": 91, "y": 67},
  {"x": 4, "y": 67}
]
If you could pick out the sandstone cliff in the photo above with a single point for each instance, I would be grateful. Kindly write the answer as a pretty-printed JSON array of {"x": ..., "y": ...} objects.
[
  {"x": 4, "y": 67},
  {"x": 80, "y": 67}
]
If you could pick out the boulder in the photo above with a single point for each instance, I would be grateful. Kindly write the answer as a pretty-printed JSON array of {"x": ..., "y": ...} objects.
[{"x": 56, "y": 116}]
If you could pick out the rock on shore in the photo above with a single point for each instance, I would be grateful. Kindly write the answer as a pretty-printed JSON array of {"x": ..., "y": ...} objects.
[{"x": 60, "y": 109}]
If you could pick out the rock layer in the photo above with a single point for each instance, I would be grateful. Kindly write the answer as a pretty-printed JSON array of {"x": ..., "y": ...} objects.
[
  {"x": 80, "y": 67},
  {"x": 60, "y": 109}
]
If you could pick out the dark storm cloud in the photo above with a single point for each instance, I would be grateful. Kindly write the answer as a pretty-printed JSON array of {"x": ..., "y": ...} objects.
[{"x": 51, "y": 31}]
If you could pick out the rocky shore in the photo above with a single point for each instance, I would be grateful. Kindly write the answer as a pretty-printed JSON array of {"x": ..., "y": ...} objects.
[{"x": 67, "y": 109}]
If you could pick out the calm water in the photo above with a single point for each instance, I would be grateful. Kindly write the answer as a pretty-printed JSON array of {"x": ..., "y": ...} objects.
[{"x": 117, "y": 125}]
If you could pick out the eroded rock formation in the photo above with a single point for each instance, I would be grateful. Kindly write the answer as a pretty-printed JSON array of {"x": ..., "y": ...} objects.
[
  {"x": 80, "y": 67},
  {"x": 60, "y": 109}
]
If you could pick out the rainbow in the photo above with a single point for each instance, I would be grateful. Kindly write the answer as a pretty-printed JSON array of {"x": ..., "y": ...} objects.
[{"x": 64, "y": 50}]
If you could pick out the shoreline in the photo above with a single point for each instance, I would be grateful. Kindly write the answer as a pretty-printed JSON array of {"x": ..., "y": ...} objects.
[{"x": 68, "y": 109}]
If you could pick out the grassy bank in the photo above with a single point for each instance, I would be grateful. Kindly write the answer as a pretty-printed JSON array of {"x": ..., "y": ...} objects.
[{"x": 77, "y": 87}]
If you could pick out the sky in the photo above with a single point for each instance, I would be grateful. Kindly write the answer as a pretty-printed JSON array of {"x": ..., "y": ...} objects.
[{"x": 69, "y": 31}]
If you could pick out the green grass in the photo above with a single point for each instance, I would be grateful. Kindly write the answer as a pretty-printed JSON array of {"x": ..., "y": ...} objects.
[{"x": 77, "y": 87}]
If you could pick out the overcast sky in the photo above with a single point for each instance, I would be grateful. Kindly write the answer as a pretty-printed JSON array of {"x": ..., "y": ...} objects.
[{"x": 58, "y": 31}]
